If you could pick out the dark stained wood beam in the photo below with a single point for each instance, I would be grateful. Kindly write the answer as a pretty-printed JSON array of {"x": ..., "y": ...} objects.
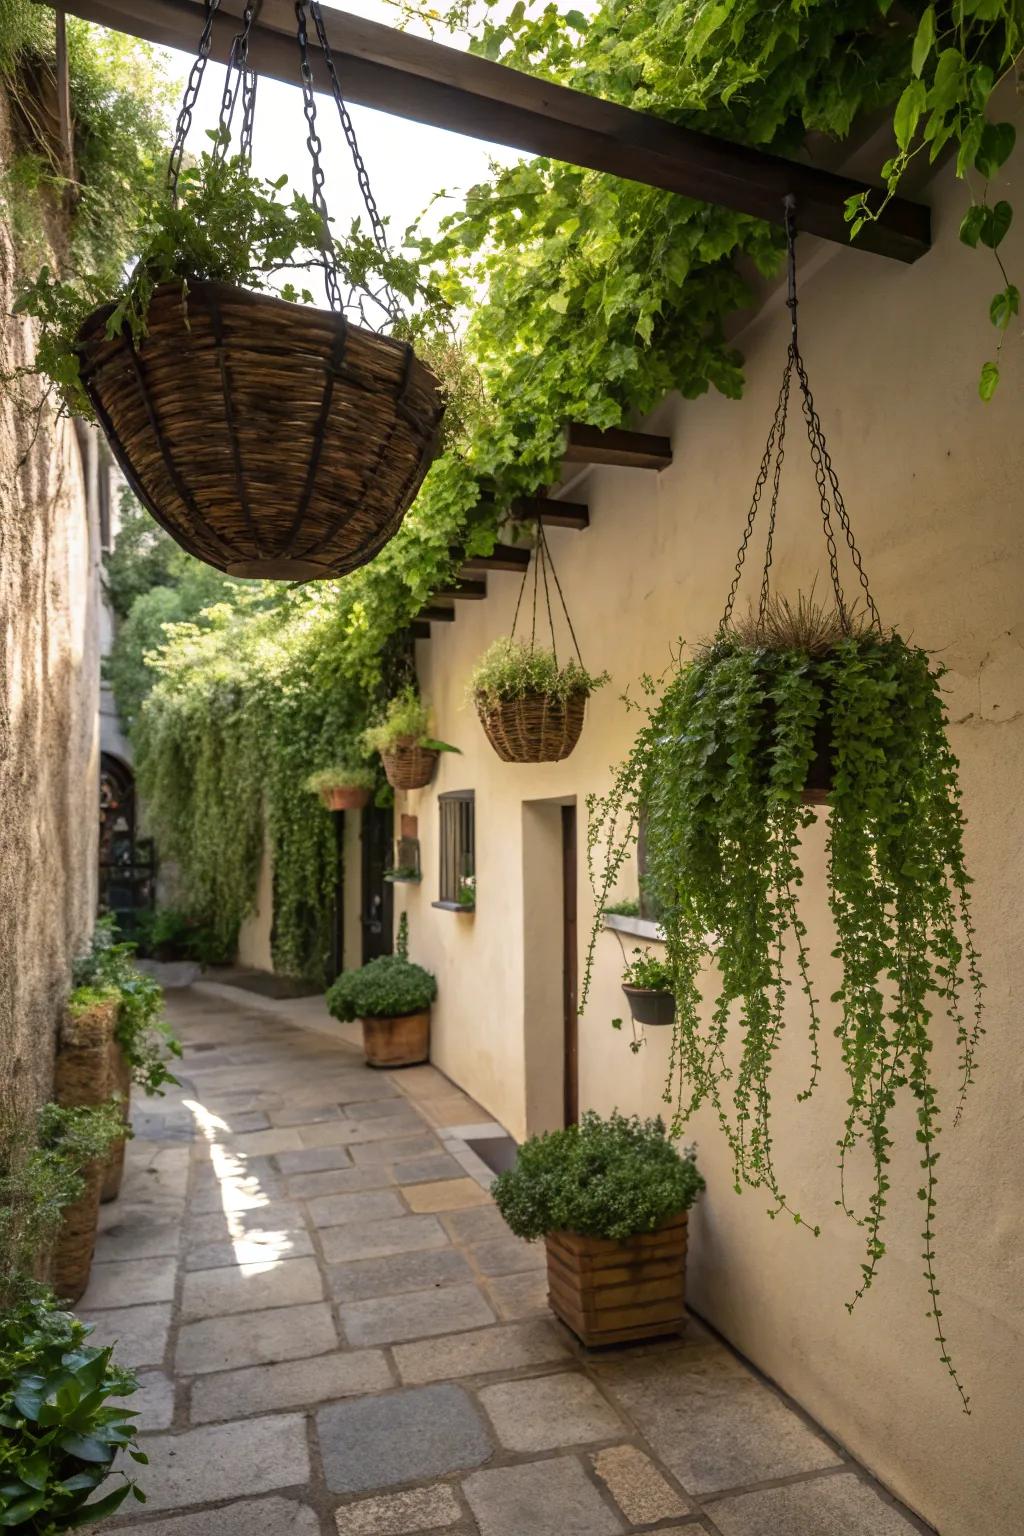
[
  {"x": 437, "y": 615},
  {"x": 503, "y": 557},
  {"x": 419, "y": 629},
  {"x": 416, "y": 78},
  {"x": 466, "y": 590},
  {"x": 633, "y": 450},
  {"x": 553, "y": 514}
]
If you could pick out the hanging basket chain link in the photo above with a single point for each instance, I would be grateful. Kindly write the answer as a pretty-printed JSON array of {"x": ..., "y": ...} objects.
[
  {"x": 190, "y": 97},
  {"x": 829, "y": 495}
]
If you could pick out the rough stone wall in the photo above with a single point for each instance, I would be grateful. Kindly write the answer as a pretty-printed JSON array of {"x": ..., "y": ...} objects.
[{"x": 49, "y": 682}]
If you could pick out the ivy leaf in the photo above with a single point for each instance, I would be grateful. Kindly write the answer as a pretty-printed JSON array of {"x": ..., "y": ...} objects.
[
  {"x": 1004, "y": 306},
  {"x": 924, "y": 41},
  {"x": 971, "y": 224},
  {"x": 997, "y": 141},
  {"x": 559, "y": 302},
  {"x": 996, "y": 224},
  {"x": 908, "y": 112},
  {"x": 988, "y": 380}
]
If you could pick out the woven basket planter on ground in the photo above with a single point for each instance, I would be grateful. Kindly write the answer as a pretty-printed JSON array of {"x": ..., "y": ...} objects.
[
  {"x": 270, "y": 439},
  {"x": 121, "y": 1083},
  {"x": 82, "y": 1076},
  {"x": 398, "y": 1042},
  {"x": 535, "y": 728},
  {"x": 612, "y": 1292},
  {"x": 407, "y": 766},
  {"x": 341, "y": 799}
]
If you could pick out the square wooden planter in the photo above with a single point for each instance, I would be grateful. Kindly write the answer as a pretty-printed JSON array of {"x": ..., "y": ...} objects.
[{"x": 612, "y": 1292}]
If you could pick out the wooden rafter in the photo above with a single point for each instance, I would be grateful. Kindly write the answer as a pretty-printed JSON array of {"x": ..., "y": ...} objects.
[
  {"x": 414, "y": 77},
  {"x": 503, "y": 557},
  {"x": 553, "y": 514},
  {"x": 466, "y": 590},
  {"x": 632, "y": 450}
]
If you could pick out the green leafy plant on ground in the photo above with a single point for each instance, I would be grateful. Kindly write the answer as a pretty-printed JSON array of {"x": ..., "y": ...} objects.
[
  {"x": 385, "y": 988},
  {"x": 168, "y": 933},
  {"x": 720, "y": 768},
  {"x": 613, "y": 1177},
  {"x": 59, "y": 1431},
  {"x": 43, "y": 1155},
  {"x": 511, "y": 669},
  {"x": 145, "y": 1038}
]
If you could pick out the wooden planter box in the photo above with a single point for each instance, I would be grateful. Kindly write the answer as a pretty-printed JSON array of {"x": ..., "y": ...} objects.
[
  {"x": 120, "y": 1082},
  {"x": 612, "y": 1292},
  {"x": 401, "y": 1042}
]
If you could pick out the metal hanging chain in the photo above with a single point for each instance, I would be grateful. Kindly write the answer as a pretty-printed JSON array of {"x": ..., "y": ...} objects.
[
  {"x": 315, "y": 146},
  {"x": 829, "y": 495},
  {"x": 239, "y": 80},
  {"x": 542, "y": 563},
  {"x": 189, "y": 99}
]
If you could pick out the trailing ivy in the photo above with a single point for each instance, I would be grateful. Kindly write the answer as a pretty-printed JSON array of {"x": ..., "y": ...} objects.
[{"x": 719, "y": 768}]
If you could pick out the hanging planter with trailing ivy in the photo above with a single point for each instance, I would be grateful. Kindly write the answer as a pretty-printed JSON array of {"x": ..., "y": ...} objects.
[
  {"x": 270, "y": 438},
  {"x": 796, "y": 705},
  {"x": 530, "y": 705}
]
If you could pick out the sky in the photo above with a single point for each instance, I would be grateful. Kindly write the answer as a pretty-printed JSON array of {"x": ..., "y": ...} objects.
[{"x": 407, "y": 162}]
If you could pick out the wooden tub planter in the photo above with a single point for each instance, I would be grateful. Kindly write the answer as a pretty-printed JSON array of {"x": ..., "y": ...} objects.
[
  {"x": 614, "y": 1292},
  {"x": 397, "y": 1042}
]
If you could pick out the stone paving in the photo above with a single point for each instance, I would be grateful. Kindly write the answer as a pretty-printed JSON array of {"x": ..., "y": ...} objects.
[{"x": 337, "y": 1336}]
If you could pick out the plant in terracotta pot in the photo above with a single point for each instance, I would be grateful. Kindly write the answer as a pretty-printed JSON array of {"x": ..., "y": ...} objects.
[
  {"x": 647, "y": 984},
  {"x": 60, "y": 1434},
  {"x": 392, "y": 997},
  {"x": 530, "y": 704},
  {"x": 610, "y": 1199},
  {"x": 345, "y": 787},
  {"x": 408, "y": 750}
]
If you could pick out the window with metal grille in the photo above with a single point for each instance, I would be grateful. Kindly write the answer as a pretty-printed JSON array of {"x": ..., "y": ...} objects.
[{"x": 457, "y": 850}]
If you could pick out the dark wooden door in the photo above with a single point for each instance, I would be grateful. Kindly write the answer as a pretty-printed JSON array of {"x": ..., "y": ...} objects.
[
  {"x": 378, "y": 893},
  {"x": 570, "y": 979}
]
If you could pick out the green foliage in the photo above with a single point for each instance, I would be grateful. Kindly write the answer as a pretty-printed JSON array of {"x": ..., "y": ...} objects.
[
  {"x": 227, "y": 226},
  {"x": 960, "y": 54},
  {"x": 385, "y": 988},
  {"x": 405, "y": 722},
  {"x": 144, "y": 1037},
  {"x": 602, "y": 1178},
  {"x": 511, "y": 668},
  {"x": 342, "y": 776},
  {"x": 719, "y": 767},
  {"x": 59, "y": 1433},
  {"x": 629, "y": 907},
  {"x": 168, "y": 933},
  {"x": 647, "y": 971}
]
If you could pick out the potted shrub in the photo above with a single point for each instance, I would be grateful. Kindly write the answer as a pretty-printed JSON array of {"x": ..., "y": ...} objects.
[
  {"x": 140, "y": 1043},
  {"x": 347, "y": 787},
  {"x": 530, "y": 706},
  {"x": 647, "y": 983},
  {"x": 59, "y": 1432},
  {"x": 407, "y": 749},
  {"x": 392, "y": 998},
  {"x": 610, "y": 1199}
]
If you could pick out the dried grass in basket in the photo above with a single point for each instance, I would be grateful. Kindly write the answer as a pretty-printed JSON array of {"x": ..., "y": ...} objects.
[
  {"x": 409, "y": 766},
  {"x": 535, "y": 728},
  {"x": 270, "y": 439}
]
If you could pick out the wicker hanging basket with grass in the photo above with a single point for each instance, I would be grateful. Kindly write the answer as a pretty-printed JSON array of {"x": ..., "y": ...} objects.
[
  {"x": 407, "y": 765},
  {"x": 269, "y": 438},
  {"x": 531, "y": 706}
]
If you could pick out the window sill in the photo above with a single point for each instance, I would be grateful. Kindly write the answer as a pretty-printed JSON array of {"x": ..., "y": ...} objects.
[
  {"x": 403, "y": 879},
  {"x": 639, "y": 927},
  {"x": 452, "y": 906}
]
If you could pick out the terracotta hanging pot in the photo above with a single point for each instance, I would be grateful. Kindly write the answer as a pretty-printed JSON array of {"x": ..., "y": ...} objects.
[
  {"x": 269, "y": 439},
  {"x": 341, "y": 798}
]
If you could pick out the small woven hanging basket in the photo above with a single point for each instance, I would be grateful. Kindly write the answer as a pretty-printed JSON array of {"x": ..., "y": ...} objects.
[
  {"x": 269, "y": 439},
  {"x": 408, "y": 766},
  {"x": 535, "y": 728}
]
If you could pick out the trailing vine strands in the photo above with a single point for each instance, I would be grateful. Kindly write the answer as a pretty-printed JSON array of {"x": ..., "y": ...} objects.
[{"x": 719, "y": 768}]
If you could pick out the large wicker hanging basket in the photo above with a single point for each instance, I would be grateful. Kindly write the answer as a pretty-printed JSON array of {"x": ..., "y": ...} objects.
[
  {"x": 409, "y": 766},
  {"x": 535, "y": 728},
  {"x": 270, "y": 439}
]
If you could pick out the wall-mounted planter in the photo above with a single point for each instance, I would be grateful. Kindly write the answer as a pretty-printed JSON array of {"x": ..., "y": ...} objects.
[
  {"x": 397, "y": 1042},
  {"x": 121, "y": 1084},
  {"x": 650, "y": 1007},
  {"x": 82, "y": 1076},
  {"x": 611, "y": 1292},
  {"x": 342, "y": 797},
  {"x": 409, "y": 766}
]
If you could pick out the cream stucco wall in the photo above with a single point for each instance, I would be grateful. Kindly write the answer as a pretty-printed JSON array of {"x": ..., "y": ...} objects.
[
  {"x": 933, "y": 482},
  {"x": 49, "y": 691}
]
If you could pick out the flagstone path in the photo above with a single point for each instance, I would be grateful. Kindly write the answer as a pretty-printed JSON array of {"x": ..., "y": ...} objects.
[{"x": 337, "y": 1336}]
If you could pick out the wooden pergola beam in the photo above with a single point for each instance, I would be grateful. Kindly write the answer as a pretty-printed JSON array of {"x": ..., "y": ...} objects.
[
  {"x": 435, "y": 614},
  {"x": 553, "y": 514},
  {"x": 503, "y": 557},
  {"x": 466, "y": 590},
  {"x": 616, "y": 445},
  {"x": 414, "y": 77}
]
